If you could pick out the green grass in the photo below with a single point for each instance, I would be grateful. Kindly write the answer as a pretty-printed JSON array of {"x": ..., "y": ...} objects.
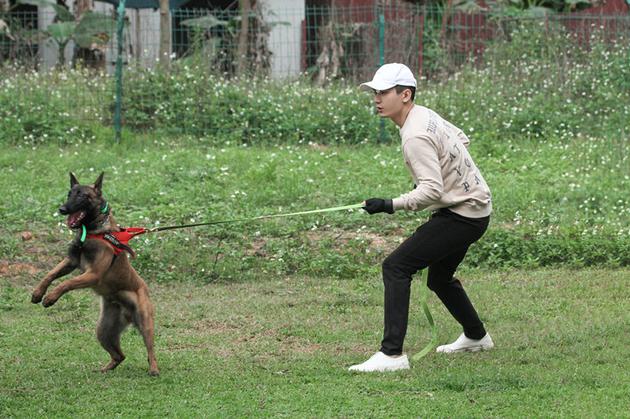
[
  {"x": 280, "y": 347},
  {"x": 262, "y": 318},
  {"x": 554, "y": 203}
]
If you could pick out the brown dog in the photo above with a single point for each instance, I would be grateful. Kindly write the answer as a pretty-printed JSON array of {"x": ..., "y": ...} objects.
[{"x": 124, "y": 295}]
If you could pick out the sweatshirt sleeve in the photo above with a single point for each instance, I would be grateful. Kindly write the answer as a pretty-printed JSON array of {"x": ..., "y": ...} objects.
[{"x": 421, "y": 155}]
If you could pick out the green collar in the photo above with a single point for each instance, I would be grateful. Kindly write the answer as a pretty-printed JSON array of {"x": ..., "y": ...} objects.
[{"x": 104, "y": 210}]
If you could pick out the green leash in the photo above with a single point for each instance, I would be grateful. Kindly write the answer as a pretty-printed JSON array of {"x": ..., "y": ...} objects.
[
  {"x": 261, "y": 217},
  {"x": 424, "y": 295}
]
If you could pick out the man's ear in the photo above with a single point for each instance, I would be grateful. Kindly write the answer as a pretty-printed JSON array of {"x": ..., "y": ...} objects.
[
  {"x": 406, "y": 95},
  {"x": 98, "y": 185},
  {"x": 73, "y": 180}
]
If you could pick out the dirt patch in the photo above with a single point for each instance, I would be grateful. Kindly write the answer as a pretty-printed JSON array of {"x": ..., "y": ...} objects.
[
  {"x": 8, "y": 268},
  {"x": 318, "y": 147},
  {"x": 257, "y": 248},
  {"x": 340, "y": 240},
  {"x": 342, "y": 237},
  {"x": 279, "y": 343},
  {"x": 380, "y": 242},
  {"x": 292, "y": 345},
  {"x": 214, "y": 327}
]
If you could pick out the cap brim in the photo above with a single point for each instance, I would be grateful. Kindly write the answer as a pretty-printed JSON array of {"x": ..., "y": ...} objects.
[{"x": 375, "y": 85}]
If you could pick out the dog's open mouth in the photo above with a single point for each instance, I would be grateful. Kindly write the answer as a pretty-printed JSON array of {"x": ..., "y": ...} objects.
[{"x": 74, "y": 219}]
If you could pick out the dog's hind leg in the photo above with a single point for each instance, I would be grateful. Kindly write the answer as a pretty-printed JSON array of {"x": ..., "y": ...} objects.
[
  {"x": 111, "y": 324},
  {"x": 143, "y": 320}
]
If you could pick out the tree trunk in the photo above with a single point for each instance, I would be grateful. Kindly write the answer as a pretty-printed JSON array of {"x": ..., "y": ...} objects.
[
  {"x": 445, "y": 17},
  {"x": 93, "y": 57},
  {"x": 61, "y": 55},
  {"x": 81, "y": 6},
  {"x": 241, "y": 51},
  {"x": 165, "y": 35},
  {"x": 4, "y": 6}
]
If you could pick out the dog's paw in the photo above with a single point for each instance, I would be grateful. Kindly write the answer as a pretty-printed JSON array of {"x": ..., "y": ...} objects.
[
  {"x": 154, "y": 373},
  {"x": 48, "y": 301},
  {"x": 36, "y": 297},
  {"x": 112, "y": 364}
]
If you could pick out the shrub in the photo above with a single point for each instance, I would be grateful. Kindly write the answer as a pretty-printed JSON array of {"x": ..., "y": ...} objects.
[
  {"x": 538, "y": 84},
  {"x": 48, "y": 108},
  {"x": 253, "y": 111},
  {"x": 529, "y": 86}
]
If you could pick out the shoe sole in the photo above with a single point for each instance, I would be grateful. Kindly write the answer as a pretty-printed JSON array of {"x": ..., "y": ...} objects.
[
  {"x": 381, "y": 370},
  {"x": 468, "y": 349}
]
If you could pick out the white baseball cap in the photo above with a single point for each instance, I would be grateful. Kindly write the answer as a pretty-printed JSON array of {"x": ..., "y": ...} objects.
[{"x": 390, "y": 75}]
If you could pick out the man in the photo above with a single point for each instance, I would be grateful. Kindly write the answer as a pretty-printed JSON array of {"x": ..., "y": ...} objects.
[{"x": 450, "y": 185}]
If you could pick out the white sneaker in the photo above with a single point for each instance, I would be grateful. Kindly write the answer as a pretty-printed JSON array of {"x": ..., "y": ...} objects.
[
  {"x": 381, "y": 362},
  {"x": 464, "y": 344}
]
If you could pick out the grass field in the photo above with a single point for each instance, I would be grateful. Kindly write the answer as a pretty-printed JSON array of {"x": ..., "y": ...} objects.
[
  {"x": 281, "y": 346},
  {"x": 263, "y": 318},
  {"x": 554, "y": 203}
]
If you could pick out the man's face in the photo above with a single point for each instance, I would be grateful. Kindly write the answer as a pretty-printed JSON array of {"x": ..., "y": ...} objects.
[{"x": 388, "y": 103}]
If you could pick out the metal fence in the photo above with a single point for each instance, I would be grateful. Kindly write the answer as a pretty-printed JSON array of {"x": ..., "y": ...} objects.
[
  {"x": 317, "y": 43},
  {"x": 324, "y": 42}
]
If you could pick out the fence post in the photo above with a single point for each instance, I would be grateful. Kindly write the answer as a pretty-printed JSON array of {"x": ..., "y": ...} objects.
[
  {"x": 165, "y": 35},
  {"x": 421, "y": 40},
  {"x": 381, "y": 60},
  {"x": 118, "y": 76}
]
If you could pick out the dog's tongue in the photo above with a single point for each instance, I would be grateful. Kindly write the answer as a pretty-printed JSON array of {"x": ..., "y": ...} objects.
[{"x": 74, "y": 219}]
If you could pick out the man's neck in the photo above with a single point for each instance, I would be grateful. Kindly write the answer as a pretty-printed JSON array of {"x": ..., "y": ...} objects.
[{"x": 401, "y": 117}]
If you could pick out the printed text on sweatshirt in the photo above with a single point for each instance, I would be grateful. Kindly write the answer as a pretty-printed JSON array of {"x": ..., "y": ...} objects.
[{"x": 435, "y": 152}]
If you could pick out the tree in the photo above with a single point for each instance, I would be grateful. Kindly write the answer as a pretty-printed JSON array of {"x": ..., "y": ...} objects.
[
  {"x": 222, "y": 42},
  {"x": 241, "y": 50},
  {"x": 529, "y": 7},
  {"x": 90, "y": 30},
  {"x": 165, "y": 35},
  {"x": 94, "y": 54}
]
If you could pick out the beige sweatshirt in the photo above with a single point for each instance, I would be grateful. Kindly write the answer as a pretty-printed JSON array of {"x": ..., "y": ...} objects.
[{"x": 435, "y": 152}]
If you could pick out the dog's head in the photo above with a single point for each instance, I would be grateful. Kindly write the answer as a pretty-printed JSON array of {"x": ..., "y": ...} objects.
[{"x": 85, "y": 202}]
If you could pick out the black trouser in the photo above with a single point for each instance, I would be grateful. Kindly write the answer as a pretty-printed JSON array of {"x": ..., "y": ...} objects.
[{"x": 441, "y": 244}]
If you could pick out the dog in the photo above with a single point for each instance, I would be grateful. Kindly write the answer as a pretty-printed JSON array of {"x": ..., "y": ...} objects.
[{"x": 97, "y": 254}]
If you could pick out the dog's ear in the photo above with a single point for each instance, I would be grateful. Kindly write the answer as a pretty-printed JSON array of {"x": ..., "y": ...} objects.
[
  {"x": 98, "y": 185},
  {"x": 73, "y": 180}
]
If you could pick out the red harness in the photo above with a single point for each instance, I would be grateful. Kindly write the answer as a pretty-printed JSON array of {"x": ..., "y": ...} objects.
[{"x": 119, "y": 239}]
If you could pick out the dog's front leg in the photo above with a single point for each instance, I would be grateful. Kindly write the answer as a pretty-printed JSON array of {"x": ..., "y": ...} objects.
[
  {"x": 63, "y": 268},
  {"x": 85, "y": 280}
]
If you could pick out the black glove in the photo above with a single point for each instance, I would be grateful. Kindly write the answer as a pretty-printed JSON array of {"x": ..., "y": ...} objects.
[{"x": 374, "y": 205}]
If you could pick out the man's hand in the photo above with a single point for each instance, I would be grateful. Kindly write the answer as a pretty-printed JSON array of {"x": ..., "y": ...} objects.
[{"x": 374, "y": 205}]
